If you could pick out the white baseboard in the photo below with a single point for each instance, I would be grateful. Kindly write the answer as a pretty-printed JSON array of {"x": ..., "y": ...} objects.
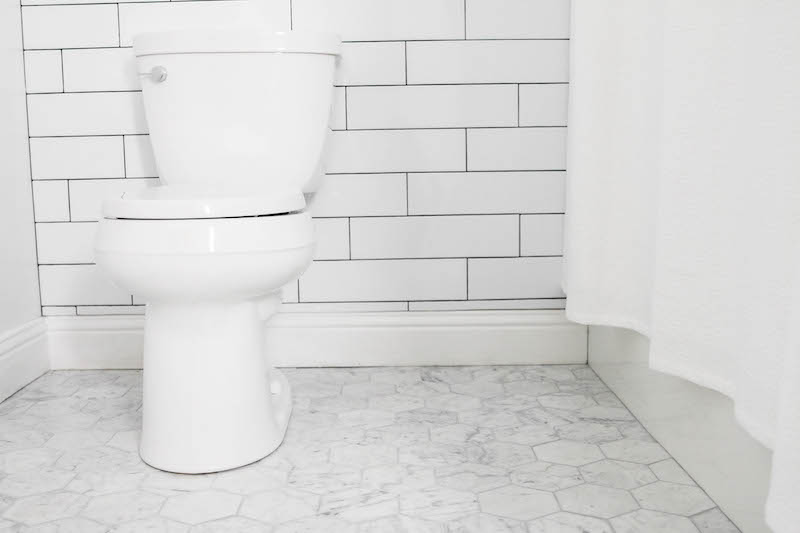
[
  {"x": 23, "y": 356},
  {"x": 350, "y": 339}
]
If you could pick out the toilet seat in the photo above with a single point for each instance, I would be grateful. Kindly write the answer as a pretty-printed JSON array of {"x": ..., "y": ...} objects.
[{"x": 167, "y": 202}]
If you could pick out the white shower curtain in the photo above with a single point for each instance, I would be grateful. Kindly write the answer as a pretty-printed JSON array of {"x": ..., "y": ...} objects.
[{"x": 683, "y": 200}]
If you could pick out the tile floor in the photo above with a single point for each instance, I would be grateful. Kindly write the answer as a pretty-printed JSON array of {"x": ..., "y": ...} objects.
[{"x": 536, "y": 449}]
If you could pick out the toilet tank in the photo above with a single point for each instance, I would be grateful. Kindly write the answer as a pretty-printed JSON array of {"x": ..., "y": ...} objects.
[{"x": 244, "y": 108}]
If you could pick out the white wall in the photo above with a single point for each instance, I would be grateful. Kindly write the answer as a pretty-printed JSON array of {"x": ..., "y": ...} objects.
[
  {"x": 19, "y": 289},
  {"x": 446, "y": 171}
]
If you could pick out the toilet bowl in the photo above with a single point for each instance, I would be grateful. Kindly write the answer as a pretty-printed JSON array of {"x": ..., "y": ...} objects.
[
  {"x": 237, "y": 121},
  {"x": 211, "y": 399}
]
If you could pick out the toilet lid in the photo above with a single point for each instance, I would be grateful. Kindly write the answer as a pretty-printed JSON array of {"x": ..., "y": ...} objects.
[{"x": 172, "y": 203}]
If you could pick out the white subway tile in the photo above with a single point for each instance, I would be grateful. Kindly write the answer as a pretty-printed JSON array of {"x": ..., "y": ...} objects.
[
  {"x": 372, "y": 64},
  {"x": 332, "y": 239},
  {"x": 86, "y": 114},
  {"x": 43, "y": 71},
  {"x": 86, "y": 196},
  {"x": 484, "y": 305},
  {"x": 110, "y": 310},
  {"x": 517, "y": 19},
  {"x": 102, "y": 69},
  {"x": 165, "y": 16},
  {"x": 139, "y": 160},
  {"x": 339, "y": 307},
  {"x": 488, "y": 62},
  {"x": 67, "y": 242},
  {"x": 50, "y": 201},
  {"x": 514, "y": 278},
  {"x": 338, "y": 120},
  {"x": 77, "y": 157},
  {"x": 384, "y": 280},
  {"x": 541, "y": 234},
  {"x": 517, "y": 149},
  {"x": 543, "y": 105},
  {"x": 396, "y": 151},
  {"x": 78, "y": 285},
  {"x": 72, "y": 26},
  {"x": 381, "y": 20},
  {"x": 361, "y": 195},
  {"x": 485, "y": 192},
  {"x": 434, "y": 236},
  {"x": 431, "y": 106},
  {"x": 56, "y": 310}
]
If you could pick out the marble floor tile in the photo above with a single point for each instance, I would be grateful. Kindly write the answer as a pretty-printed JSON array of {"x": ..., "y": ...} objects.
[
  {"x": 568, "y": 452},
  {"x": 202, "y": 506},
  {"x": 596, "y": 500},
  {"x": 542, "y": 475},
  {"x": 673, "y": 498},
  {"x": 568, "y": 523},
  {"x": 520, "y": 503},
  {"x": 475, "y": 449},
  {"x": 617, "y": 474},
  {"x": 644, "y": 521}
]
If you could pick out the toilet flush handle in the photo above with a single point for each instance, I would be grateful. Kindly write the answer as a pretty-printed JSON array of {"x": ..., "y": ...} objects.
[{"x": 157, "y": 74}]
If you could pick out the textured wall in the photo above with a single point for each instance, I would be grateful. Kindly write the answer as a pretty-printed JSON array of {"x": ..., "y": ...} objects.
[{"x": 446, "y": 169}]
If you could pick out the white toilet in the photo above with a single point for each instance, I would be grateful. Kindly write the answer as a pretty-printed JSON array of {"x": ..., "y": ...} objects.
[{"x": 237, "y": 121}]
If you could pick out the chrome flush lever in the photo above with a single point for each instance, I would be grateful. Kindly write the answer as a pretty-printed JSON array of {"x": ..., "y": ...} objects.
[{"x": 157, "y": 74}]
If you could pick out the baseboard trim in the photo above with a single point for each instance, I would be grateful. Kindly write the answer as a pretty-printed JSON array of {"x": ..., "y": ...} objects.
[
  {"x": 23, "y": 356},
  {"x": 350, "y": 339}
]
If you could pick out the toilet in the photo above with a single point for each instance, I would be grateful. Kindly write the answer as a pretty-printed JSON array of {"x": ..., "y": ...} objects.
[{"x": 237, "y": 120}]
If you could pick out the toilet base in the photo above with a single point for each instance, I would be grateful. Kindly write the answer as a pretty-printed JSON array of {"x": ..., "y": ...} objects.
[{"x": 211, "y": 400}]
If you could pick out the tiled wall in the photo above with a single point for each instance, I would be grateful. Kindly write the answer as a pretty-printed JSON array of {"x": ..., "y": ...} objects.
[{"x": 446, "y": 171}]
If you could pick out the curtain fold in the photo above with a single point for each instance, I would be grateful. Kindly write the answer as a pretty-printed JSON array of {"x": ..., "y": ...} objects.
[{"x": 683, "y": 200}]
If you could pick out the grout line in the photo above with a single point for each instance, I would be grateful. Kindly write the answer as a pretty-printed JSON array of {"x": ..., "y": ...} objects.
[
  {"x": 466, "y": 151},
  {"x": 422, "y": 215},
  {"x": 63, "y": 83},
  {"x": 443, "y": 40},
  {"x": 291, "y": 14},
  {"x": 405, "y": 60},
  {"x": 351, "y": 173},
  {"x": 437, "y": 258},
  {"x": 407, "y": 204},
  {"x": 465, "y": 19},
  {"x": 349, "y": 240},
  {"x": 453, "y": 215},
  {"x": 103, "y": 91},
  {"x": 124, "y": 159},
  {"x": 519, "y": 234},
  {"x": 69, "y": 201},
  {"x": 359, "y": 259},
  {"x": 518, "y": 108},
  {"x": 119, "y": 28},
  {"x": 419, "y": 129},
  {"x": 413, "y": 301},
  {"x": 345, "y": 108},
  {"x": 467, "y": 276}
]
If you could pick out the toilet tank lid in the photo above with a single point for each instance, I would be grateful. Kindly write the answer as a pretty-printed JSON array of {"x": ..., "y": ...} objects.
[
  {"x": 166, "y": 202},
  {"x": 246, "y": 40}
]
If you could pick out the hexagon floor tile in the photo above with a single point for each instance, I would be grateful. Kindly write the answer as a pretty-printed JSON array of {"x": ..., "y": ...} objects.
[{"x": 527, "y": 449}]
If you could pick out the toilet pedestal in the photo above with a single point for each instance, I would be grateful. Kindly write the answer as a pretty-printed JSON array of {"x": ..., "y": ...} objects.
[{"x": 211, "y": 400}]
